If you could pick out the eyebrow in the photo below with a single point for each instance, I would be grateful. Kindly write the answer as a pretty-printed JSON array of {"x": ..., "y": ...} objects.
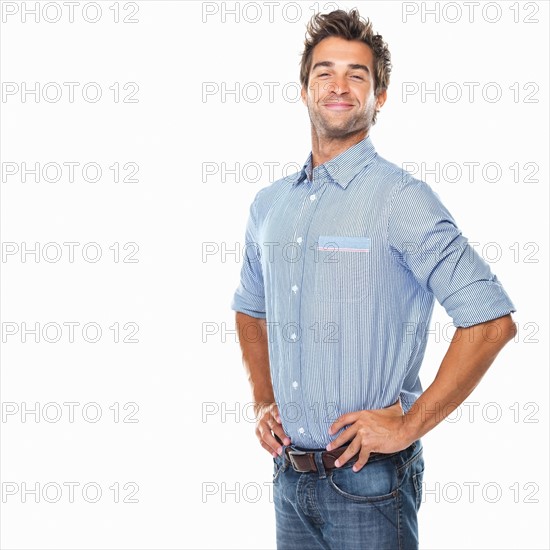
[{"x": 350, "y": 66}]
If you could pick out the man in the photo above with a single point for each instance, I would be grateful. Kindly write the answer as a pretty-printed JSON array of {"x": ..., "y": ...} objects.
[{"x": 343, "y": 262}]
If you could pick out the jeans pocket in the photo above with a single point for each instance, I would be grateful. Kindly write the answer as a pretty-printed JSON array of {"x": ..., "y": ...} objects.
[
  {"x": 278, "y": 467},
  {"x": 418, "y": 477},
  {"x": 376, "y": 482}
]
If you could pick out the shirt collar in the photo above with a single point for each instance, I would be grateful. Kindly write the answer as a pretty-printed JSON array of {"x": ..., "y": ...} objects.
[{"x": 343, "y": 167}]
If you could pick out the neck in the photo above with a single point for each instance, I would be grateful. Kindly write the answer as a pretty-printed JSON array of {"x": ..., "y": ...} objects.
[{"x": 324, "y": 148}]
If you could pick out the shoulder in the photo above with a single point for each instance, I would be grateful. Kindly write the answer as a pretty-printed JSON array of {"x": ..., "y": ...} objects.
[
  {"x": 271, "y": 193},
  {"x": 412, "y": 201},
  {"x": 397, "y": 178},
  {"x": 406, "y": 191}
]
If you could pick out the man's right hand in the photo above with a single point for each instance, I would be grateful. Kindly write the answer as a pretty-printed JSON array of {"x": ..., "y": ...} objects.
[{"x": 268, "y": 420}]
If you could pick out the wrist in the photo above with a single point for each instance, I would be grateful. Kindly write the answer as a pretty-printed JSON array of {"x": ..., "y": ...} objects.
[
  {"x": 410, "y": 429},
  {"x": 261, "y": 404}
]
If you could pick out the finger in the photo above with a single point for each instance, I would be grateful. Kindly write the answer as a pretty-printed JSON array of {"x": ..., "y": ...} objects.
[
  {"x": 277, "y": 429},
  {"x": 276, "y": 415},
  {"x": 269, "y": 449},
  {"x": 352, "y": 449},
  {"x": 362, "y": 460},
  {"x": 343, "y": 438},
  {"x": 268, "y": 439},
  {"x": 275, "y": 426},
  {"x": 272, "y": 446},
  {"x": 341, "y": 421}
]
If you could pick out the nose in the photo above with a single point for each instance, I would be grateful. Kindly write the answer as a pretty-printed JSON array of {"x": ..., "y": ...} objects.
[{"x": 338, "y": 85}]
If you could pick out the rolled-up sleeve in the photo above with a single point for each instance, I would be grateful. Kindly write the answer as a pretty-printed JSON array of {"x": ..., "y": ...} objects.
[
  {"x": 424, "y": 238},
  {"x": 249, "y": 297}
]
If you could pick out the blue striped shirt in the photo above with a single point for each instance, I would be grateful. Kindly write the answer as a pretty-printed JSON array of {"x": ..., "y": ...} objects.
[{"x": 344, "y": 264}]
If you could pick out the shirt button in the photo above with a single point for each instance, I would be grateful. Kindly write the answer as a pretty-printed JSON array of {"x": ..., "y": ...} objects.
[
  {"x": 294, "y": 289},
  {"x": 301, "y": 431},
  {"x": 293, "y": 336},
  {"x": 312, "y": 197},
  {"x": 299, "y": 240},
  {"x": 294, "y": 384}
]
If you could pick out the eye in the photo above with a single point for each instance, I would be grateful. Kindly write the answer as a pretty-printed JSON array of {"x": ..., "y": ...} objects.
[
  {"x": 323, "y": 74},
  {"x": 357, "y": 76}
]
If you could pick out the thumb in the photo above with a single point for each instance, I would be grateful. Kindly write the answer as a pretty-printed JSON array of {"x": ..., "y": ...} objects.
[
  {"x": 395, "y": 409},
  {"x": 276, "y": 414}
]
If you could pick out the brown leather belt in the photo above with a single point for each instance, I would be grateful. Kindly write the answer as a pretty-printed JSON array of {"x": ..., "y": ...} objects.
[{"x": 304, "y": 461}]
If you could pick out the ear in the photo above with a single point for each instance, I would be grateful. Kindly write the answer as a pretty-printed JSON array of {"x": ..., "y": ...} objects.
[
  {"x": 303, "y": 94},
  {"x": 381, "y": 99}
]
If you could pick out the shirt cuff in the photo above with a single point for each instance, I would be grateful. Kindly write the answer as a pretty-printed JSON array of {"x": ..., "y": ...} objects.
[
  {"x": 248, "y": 303},
  {"x": 478, "y": 302}
]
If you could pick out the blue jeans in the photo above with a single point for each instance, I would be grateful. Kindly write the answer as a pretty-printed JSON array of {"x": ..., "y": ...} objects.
[{"x": 375, "y": 508}]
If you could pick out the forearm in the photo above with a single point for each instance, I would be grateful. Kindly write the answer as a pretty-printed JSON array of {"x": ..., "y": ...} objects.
[
  {"x": 470, "y": 354},
  {"x": 253, "y": 339}
]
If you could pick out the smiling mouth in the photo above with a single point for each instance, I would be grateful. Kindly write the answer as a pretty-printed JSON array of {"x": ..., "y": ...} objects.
[{"x": 338, "y": 106}]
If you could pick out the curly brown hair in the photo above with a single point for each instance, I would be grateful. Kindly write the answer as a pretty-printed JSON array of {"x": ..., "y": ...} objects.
[{"x": 351, "y": 26}]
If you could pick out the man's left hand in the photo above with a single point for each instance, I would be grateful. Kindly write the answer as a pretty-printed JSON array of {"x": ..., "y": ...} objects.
[{"x": 379, "y": 430}]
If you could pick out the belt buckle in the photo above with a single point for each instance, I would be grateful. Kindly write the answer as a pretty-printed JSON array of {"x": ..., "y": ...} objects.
[{"x": 291, "y": 454}]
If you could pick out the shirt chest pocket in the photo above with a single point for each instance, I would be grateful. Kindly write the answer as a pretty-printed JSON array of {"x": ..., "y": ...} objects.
[{"x": 342, "y": 268}]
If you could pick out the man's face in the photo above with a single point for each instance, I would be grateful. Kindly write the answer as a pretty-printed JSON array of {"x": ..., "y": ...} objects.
[{"x": 340, "y": 96}]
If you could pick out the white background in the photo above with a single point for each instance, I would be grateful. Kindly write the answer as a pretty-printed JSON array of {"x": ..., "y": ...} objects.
[{"x": 202, "y": 479}]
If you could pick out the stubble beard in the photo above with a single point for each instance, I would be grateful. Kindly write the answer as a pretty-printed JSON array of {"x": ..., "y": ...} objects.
[{"x": 340, "y": 129}]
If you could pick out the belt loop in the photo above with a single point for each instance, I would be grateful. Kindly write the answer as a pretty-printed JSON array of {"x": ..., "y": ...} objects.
[
  {"x": 284, "y": 456},
  {"x": 320, "y": 466}
]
